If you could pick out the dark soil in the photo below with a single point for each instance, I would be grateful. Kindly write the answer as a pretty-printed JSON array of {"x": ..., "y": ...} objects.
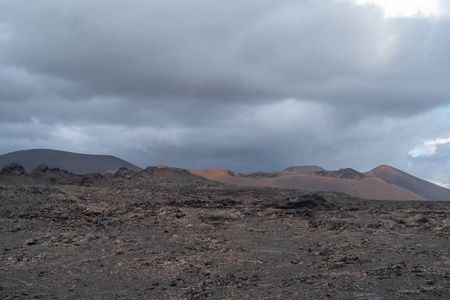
[{"x": 157, "y": 235}]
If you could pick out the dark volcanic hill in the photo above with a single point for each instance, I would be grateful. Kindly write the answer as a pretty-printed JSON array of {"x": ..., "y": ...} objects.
[
  {"x": 416, "y": 185},
  {"x": 71, "y": 162}
]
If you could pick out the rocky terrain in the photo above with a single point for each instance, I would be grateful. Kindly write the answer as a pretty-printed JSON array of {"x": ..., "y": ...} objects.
[{"x": 164, "y": 233}]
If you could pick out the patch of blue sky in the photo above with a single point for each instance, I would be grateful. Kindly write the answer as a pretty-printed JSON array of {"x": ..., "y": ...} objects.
[{"x": 445, "y": 108}]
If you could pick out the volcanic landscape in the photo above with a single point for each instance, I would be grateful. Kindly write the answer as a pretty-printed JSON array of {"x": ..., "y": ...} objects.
[{"x": 169, "y": 233}]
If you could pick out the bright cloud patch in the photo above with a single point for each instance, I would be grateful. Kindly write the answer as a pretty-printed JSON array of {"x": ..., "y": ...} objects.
[
  {"x": 428, "y": 148},
  {"x": 406, "y": 8}
]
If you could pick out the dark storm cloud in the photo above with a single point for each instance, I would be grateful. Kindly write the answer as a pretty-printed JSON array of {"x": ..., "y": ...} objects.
[
  {"x": 228, "y": 51},
  {"x": 147, "y": 48},
  {"x": 244, "y": 85}
]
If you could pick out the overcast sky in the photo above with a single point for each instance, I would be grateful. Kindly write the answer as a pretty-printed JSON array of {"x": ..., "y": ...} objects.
[{"x": 255, "y": 85}]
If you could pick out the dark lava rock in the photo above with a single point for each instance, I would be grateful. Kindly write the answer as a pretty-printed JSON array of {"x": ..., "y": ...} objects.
[
  {"x": 13, "y": 169},
  {"x": 347, "y": 173},
  {"x": 44, "y": 174},
  {"x": 92, "y": 179},
  {"x": 164, "y": 234},
  {"x": 313, "y": 201}
]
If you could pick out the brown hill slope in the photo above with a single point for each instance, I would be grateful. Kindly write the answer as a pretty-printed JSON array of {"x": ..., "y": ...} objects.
[
  {"x": 347, "y": 181},
  {"x": 416, "y": 185}
]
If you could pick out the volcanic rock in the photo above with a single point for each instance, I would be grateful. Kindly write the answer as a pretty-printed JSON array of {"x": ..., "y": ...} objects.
[
  {"x": 44, "y": 174},
  {"x": 347, "y": 173},
  {"x": 13, "y": 169},
  {"x": 164, "y": 233},
  {"x": 313, "y": 201}
]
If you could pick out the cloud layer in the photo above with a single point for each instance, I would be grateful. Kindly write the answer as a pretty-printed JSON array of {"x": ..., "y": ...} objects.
[{"x": 253, "y": 85}]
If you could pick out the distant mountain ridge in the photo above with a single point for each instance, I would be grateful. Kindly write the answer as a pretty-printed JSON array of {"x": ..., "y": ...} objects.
[
  {"x": 416, "y": 185},
  {"x": 382, "y": 183},
  {"x": 76, "y": 163}
]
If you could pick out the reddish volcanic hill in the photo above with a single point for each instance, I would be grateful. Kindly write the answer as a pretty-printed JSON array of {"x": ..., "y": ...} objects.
[
  {"x": 347, "y": 181},
  {"x": 416, "y": 185}
]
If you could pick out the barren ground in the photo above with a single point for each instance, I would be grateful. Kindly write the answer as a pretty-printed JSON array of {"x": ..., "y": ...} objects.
[{"x": 199, "y": 240}]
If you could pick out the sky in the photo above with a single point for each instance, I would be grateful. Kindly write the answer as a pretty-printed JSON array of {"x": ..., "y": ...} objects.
[{"x": 255, "y": 85}]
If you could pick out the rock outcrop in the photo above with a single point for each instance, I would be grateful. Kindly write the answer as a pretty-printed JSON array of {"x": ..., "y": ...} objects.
[{"x": 13, "y": 169}]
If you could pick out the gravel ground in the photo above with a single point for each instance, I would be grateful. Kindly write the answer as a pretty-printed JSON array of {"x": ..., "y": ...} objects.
[{"x": 198, "y": 240}]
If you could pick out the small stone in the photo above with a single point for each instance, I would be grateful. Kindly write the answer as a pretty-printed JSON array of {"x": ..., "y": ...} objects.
[
  {"x": 30, "y": 242},
  {"x": 173, "y": 283}
]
